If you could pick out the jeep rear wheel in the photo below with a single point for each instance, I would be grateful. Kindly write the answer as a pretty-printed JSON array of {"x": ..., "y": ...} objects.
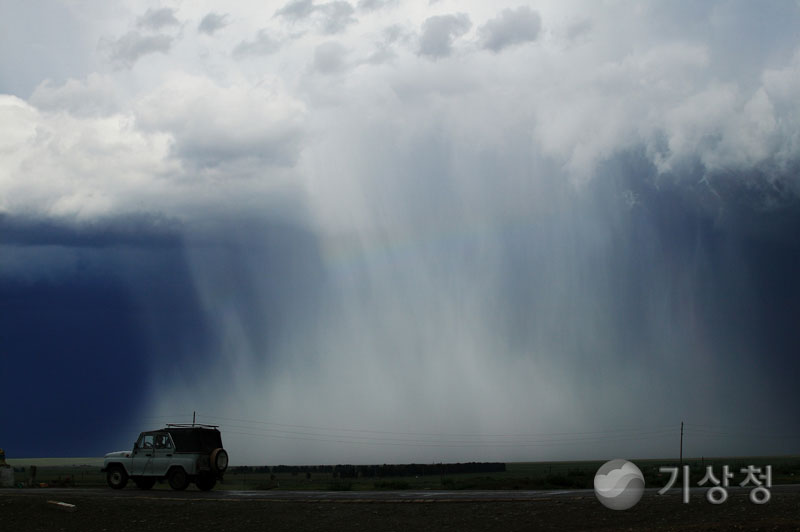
[
  {"x": 116, "y": 477},
  {"x": 206, "y": 481},
  {"x": 178, "y": 480},
  {"x": 144, "y": 483}
]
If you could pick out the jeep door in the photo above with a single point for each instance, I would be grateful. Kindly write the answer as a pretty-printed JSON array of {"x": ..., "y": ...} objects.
[
  {"x": 163, "y": 452},
  {"x": 142, "y": 454}
]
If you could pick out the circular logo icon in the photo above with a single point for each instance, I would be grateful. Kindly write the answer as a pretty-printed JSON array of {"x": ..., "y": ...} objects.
[{"x": 618, "y": 484}]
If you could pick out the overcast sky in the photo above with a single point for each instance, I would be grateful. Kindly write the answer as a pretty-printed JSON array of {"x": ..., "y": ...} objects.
[{"x": 388, "y": 231}]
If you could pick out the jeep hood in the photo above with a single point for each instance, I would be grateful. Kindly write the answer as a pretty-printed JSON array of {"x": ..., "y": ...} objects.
[{"x": 118, "y": 454}]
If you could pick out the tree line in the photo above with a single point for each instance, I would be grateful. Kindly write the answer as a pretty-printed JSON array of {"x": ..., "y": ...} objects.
[{"x": 379, "y": 471}]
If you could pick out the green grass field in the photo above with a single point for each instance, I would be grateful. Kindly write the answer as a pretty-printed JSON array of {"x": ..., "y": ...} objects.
[{"x": 518, "y": 475}]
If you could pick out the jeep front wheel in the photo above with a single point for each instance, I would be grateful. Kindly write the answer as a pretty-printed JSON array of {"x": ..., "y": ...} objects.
[
  {"x": 116, "y": 477},
  {"x": 206, "y": 481},
  {"x": 178, "y": 480}
]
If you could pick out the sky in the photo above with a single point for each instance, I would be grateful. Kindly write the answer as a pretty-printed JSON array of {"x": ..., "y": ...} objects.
[{"x": 388, "y": 231}]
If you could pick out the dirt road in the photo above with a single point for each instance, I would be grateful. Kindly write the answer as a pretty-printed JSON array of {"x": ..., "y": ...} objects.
[{"x": 130, "y": 510}]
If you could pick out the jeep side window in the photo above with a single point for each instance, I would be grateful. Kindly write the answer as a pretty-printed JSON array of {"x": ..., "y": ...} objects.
[
  {"x": 163, "y": 441},
  {"x": 146, "y": 441}
]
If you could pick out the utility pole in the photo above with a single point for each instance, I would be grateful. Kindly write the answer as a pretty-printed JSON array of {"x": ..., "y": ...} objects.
[
  {"x": 681, "y": 443},
  {"x": 195, "y": 414}
]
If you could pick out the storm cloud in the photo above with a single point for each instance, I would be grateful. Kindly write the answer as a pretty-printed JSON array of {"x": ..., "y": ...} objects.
[{"x": 507, "y": 233}]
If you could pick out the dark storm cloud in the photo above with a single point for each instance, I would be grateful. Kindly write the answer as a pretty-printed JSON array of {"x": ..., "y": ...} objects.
[
  {"x": 142, "y": 230},
  {"x": 728, "y": 244},
  {"x": 133, "y": 45},
  {"x": 212, "y": 22},
  {"x": 261, "y": 44},
  {"x": 439, "y": 33},
  {"x": 512, "y": 26},
  {"x": 71, "y": 301},
  {"x": 270, "y": 283},
  {"x": 158, "y": 18},
  {"x": 79, "y": 338},
  {"x": 85, "y": 311}
]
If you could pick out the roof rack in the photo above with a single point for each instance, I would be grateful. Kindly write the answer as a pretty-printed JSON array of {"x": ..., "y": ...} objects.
[{"x": 191, "y": 425}]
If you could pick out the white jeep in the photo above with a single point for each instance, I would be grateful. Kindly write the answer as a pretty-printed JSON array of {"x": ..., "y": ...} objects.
[{"x": 181, "y": 454}]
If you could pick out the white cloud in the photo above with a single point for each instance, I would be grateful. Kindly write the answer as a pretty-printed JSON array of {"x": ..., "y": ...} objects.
[
  {"x": 212, "y": 22},
  {"x": 129, "y": 48},
  {"x": 439, "y": 32},
  {"x": 296, "y": 9},
  {"x": 60, "y": 165},
  {"x": 216, "y": 127},
  {"x": 512, "y": 26},
  {"x": 337, "y": 16},
  {"x": 329, "y": 58},
  {"x": 158, "y": 18},
  {"x": 330, "y": 17},
  {"x": 97, "y": 95},
  {"x": 372, "y": 5},
  {"x": 67, "y": 159},
  {"x": 580, "y": 102},
  {"x": 262, "y": 44},
  {"x": 781, "y": 86}
]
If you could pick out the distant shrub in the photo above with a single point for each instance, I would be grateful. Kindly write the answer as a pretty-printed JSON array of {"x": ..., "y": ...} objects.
[
  {"x": 340, "y": 486},
  {"x": 392, "y": 485},
  {"x": 561, "y": 481},
  {"x": 578, "y": 473}
]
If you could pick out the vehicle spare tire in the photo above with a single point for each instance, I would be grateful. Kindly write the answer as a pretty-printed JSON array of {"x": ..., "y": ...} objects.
[{"x": 219, "y": 460}]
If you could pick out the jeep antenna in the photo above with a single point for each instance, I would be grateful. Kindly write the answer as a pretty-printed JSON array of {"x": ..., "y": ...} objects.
[{"x": 194, "y": 413}]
